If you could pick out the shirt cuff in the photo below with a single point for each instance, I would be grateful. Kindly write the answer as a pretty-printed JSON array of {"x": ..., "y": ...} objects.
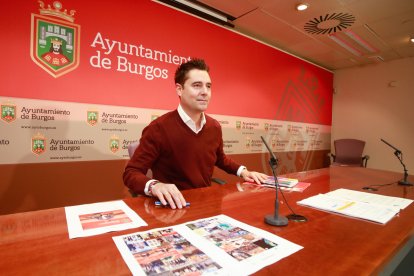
[
  {"x": 241, "y": 168},
  {"x": 147, "y": 185}
]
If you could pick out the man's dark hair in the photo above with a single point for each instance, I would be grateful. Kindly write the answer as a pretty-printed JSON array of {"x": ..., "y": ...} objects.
[{"x": 183, "y": 69}]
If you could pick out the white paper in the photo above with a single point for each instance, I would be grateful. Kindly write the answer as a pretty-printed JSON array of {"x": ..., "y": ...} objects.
[
  {"x": 350, "y": 208},
  {"x": 98, "y": 218},
  {"x": 217, "y": 245},
  {"x": 373, "y": 207},
  {"x": 382, "y": 200}
]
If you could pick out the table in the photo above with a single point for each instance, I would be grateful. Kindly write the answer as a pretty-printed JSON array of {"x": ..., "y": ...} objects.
[{"x": 37, "y": 243}]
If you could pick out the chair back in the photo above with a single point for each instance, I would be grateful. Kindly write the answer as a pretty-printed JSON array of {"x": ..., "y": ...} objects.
[
  {"x": 131, "y": 150},
  {"x": 349, "y": 152},
  {"x": 132, "y": 147}
]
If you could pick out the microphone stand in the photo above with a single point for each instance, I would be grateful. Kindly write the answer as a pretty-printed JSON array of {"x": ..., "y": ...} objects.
[
  {"x": 274, "y": 219},
  {"x": 398, "y": 153}
]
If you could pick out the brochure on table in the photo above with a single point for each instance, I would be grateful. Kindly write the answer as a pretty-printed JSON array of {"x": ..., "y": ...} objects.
[
  {"x": 217, "y": 245},
  {"x": 373, "y": 207},
  {"x": 98, "y": 218}
]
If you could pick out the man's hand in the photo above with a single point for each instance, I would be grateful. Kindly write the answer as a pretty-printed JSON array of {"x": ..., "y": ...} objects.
[
  {"x": 169, "y": 193},
  {"x": 253, "y": 176}
]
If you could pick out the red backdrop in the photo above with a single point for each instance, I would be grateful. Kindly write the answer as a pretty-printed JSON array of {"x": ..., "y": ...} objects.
[{"x": 249, "y": 79}]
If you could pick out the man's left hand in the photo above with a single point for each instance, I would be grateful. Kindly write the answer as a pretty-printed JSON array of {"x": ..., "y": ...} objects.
[{"x": 253, "y": 176}]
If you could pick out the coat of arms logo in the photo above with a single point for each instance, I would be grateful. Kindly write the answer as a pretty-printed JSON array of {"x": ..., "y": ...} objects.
[
  {"x": 92, "y": 117},
  {"x": 114, "y": 143},
  {"x": 55, "y": 39},
  {"x": 8, "y": 112},
  {"x": 38, "y": 144}
]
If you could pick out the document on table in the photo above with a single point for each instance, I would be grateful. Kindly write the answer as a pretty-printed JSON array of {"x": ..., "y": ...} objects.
[
  {"x": 357, "y": 204},
  {"x": 98, "y": 218},
  {"x": 217, "y": 245},
  {"x": 382, "y": 200}
]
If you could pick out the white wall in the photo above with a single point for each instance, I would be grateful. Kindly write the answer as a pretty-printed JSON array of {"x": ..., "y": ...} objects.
[{"x": 366, "y": 106}]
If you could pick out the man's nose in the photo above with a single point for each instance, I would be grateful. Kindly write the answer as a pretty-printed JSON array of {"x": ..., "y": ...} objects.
[{"x": 205, "y": 89}]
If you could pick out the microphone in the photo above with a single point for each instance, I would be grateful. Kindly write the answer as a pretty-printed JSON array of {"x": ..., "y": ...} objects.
[
  {"x": 398, "y": 153},
  {"x": 274, "y": 219}
]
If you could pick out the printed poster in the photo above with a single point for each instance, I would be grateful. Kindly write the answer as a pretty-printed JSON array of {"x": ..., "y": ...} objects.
[
  {"x": 98, "y": 218},
  {"x": 217, "y": 245}
]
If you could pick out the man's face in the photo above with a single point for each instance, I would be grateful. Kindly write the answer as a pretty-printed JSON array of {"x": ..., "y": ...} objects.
[
  {"x": 196, "y": 92},
  {"x": 56, "y": 48}
]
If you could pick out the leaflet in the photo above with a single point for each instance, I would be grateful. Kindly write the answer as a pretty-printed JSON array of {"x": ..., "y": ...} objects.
[
  {"x": 98, "y": 218},
  {"x": 377, "y": 208},
  {"x": 381, "y": 200},
  {"x": 217, "y": 245}
]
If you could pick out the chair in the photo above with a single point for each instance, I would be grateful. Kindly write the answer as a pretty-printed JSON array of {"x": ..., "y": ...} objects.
[
  {"x": 348, "y": 152},
  {"x": 132, "y": 147},
  {"x": 131, "y": 150}
]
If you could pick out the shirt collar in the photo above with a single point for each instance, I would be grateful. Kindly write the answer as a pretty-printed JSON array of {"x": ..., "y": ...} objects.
[{"x": 189, "y": 122}]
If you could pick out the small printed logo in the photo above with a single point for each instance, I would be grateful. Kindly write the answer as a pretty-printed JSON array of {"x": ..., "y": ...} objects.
[
  {"x": 248, "y": 142},
  {"x": 266, "y": 126},
  {"x": 8, "y": 112},
  {"x": 38, "y": 144},
  {"x": 153, "y": 117},
  {"x": 114, "y": 144},
  {"x": 274, "y": 142},
  {"x": 55, "y": 39},
  {"x": 92, "y": 117},
  {"x": 238, "y": 125}
]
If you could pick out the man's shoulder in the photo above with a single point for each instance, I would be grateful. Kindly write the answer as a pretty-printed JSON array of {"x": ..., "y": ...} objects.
[
  {"x": 164, "y": 118},
  {"x": 211, "y": 121}
]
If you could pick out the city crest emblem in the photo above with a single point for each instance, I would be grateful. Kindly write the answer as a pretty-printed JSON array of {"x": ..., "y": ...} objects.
[
  {"x": 55, "y": 39},
  {"x": 38, "y": 144},
  {"x": 114, "y": 144},
  {"x": 8, "y": 112},
  {"x": 238, "y": 125},
  {"x": 92, "y": 117}
]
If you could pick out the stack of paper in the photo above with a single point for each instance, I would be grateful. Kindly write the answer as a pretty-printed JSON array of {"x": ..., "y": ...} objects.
[
  {"x": 373, "y": 207},
  {"x": 283, "y": 181}
]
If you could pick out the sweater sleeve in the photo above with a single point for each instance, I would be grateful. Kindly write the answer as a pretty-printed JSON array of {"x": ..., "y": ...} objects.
[{"x": 145, "y": 155}]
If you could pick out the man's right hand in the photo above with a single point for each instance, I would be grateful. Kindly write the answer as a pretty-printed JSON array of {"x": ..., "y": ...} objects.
[{"x": 169, "y": 194}]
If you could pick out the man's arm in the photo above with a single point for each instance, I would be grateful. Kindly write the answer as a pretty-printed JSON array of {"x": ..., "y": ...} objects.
[{"x": 147, "y": 152}]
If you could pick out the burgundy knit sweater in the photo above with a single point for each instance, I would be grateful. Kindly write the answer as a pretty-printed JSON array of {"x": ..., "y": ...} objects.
[{"x": 178, "y": 155}]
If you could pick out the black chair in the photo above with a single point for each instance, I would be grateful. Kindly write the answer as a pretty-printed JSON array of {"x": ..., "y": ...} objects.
[{"x": 348, "y": 152}]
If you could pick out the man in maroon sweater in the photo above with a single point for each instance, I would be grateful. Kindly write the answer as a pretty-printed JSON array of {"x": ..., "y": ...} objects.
[{"x": 182, "y": 146}]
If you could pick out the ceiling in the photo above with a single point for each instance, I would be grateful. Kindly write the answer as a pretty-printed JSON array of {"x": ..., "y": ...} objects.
[{"x": 333, "y": 34}]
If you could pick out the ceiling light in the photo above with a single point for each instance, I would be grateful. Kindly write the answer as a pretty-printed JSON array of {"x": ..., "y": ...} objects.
[
  {"x": 201, "y": 10},
  {"x": 302, "y": 6},
  {"x": 412, "y": 39},
  {"x": 345, "y": 45},
  {"x": 360, "y": 41},
  {"x": 204, "y": 10}
]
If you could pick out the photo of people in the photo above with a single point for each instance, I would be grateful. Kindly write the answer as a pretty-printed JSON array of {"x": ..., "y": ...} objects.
[
  {"x": 103, "y": 219},
  {"x": 235, "y": 241},
  {"x": 167, "y": 252}
]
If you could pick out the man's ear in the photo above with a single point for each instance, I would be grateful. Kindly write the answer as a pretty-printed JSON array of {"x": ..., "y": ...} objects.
[{"x": 178, "y": 89}]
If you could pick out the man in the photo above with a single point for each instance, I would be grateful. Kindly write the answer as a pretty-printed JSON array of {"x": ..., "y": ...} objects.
[
  {"x": 55, "y": 55},
  {"x": 182, "y": 146}
]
